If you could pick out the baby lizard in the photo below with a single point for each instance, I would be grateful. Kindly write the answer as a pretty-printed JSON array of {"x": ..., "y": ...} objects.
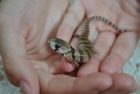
[{"x": 85, "y": 49}]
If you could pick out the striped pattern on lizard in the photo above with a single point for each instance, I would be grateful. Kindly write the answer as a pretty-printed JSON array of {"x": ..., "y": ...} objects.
[{"x": 85, "y": 49}]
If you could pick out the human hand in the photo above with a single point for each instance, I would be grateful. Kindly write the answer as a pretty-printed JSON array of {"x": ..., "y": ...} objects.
[
  {"x": 16, "y": 70},
  {"x": 115, "y": 50},
  {"x": 24, "y": 29}
]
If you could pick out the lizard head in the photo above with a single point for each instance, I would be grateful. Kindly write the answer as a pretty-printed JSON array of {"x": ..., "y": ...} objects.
[{"x": 60, "y": 46}]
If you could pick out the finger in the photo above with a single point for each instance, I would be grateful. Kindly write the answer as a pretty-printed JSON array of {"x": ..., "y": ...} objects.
[
  {"x": 67, "y": 66},
  {"x": 122, "y": 84},
  {"x": 120, "y": 53},
  {"x": 72, "y": 85},
  {"x": 16, "y": 64},
  {"x": 102, "y": 45},
  {"x": 71, "y": 20}
]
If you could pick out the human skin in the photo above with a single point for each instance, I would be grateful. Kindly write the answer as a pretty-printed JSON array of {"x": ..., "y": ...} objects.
[{"x": 26, "y": 26}]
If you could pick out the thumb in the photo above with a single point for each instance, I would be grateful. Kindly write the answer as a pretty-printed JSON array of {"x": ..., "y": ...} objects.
[{"x": 17, "y": 66}]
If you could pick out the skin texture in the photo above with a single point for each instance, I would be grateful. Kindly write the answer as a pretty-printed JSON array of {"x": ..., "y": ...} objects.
[{"x": 27, "y": 25}]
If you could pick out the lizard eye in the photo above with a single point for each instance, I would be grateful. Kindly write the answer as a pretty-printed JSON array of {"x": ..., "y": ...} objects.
[{"x": 57, "y": 47}]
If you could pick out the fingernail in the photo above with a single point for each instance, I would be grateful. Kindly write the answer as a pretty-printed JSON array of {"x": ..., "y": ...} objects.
[
  {"x": 69, "y": 67},
  {"x": 25, "y": 88}
]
